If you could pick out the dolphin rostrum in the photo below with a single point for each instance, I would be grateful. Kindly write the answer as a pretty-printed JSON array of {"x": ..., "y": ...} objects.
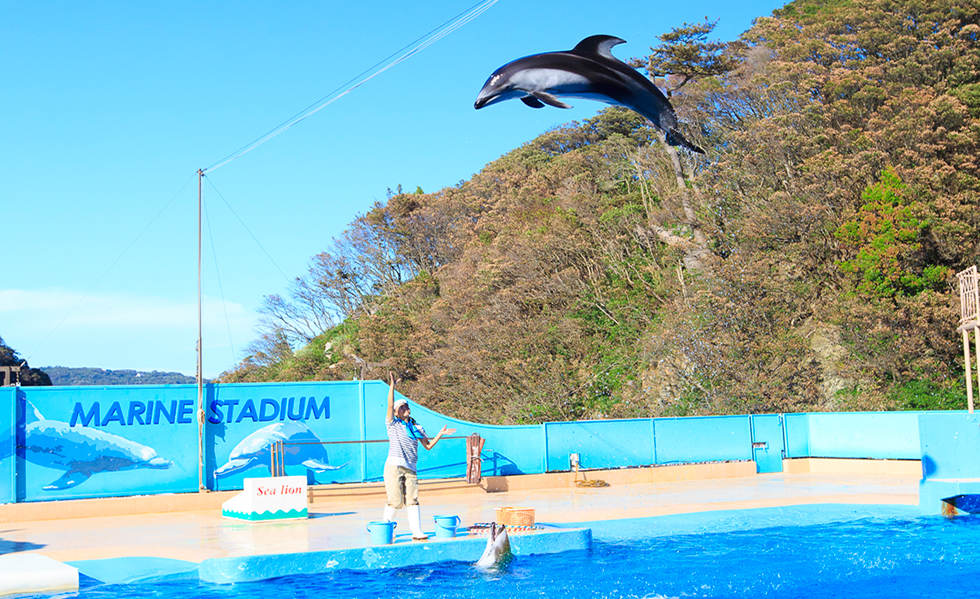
[
  {"x": 497, "y": 552},
  {"x": 587, "y": 71}
]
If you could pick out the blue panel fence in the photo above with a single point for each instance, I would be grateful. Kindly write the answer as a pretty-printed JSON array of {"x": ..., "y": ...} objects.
[
  {"x": 8, "y": 444},
  {"x": 83, "y": 442},
  {"x": 705, "y": 439},
  {"x": 876, "y": 435}
]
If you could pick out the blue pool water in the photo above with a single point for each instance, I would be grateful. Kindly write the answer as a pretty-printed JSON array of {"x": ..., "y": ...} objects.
[{"x": 737, "y": 554}]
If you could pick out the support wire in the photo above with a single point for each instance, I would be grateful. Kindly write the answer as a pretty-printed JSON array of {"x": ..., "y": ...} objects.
[
  {"x": 111, "y": 266},
  {"x": 221, "y": 291},
  {"x": 396, "y": 58}
]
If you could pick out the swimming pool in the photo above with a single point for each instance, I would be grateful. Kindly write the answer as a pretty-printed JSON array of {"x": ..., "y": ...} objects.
[{"x": 813, "y": 552}]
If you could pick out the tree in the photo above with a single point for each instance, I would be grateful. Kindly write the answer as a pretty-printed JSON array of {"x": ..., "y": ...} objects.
[
  {"x": 685, "y": 55},
  {"x": 29, "y": 377},
  {"x": 887, "y": 242}
]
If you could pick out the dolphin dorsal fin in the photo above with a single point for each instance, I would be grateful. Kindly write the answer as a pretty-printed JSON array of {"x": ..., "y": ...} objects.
[{"x": 598, "y": 44}]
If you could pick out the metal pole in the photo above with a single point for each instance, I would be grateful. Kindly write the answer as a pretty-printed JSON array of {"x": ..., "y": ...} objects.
[
  {"x": 976, "y": 341},
  {"x": 200, "y": 348},
  {"x": 966, "y": 363}
]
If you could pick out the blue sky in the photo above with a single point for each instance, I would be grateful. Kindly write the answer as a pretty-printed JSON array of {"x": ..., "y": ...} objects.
[{"x": 108, "y": 108}]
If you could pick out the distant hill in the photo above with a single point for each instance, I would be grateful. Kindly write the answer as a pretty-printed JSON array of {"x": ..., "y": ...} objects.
[{"x": 62, "y": 376}]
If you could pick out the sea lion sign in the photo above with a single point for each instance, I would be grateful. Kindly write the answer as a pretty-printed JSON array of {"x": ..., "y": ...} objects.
[{"x": 588, "y": 71}]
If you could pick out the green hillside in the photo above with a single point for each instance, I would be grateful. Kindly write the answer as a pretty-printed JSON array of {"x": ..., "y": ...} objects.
[{"x": 806, "y": 262}]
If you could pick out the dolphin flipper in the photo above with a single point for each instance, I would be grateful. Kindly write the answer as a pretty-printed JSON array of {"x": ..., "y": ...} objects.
[
  {"x": 320, "y": 466},
  {"x": 68, "y": 480},
  {"x": 549, "y": 99},
  {"x": 233, "y": 466},
  {"x": 532, "y": 102}
]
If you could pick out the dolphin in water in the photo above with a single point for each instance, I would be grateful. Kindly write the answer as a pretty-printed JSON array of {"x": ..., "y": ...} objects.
[
  {"x": 255, "y": 449},
  {"x": 588, "y": 71},
  {"x": 497, "y": 552},
  {"x": 80, "y": 451}
]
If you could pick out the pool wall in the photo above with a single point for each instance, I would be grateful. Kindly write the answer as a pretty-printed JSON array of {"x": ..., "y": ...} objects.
[
  {"x": 950, "y": 463},
  {"x": 91, "y": 442},
  {"x": 462, "y": 549}
]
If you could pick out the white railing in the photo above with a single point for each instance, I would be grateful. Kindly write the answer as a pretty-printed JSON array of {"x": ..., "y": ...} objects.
[
  {"x": 969, "y": 295},
  {"x": 969, "y": 319}
]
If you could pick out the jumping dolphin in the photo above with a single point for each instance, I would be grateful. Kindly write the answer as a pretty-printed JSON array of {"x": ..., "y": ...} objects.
[
  {"x": 497, "y": 553},
  {"x": 81, "y": 451},
  {"x": 254, "y": 450},
  {"x": 587, "y": 71}
]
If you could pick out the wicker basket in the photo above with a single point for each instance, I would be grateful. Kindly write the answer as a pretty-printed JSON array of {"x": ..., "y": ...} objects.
[{"x": 515, "y": 516}]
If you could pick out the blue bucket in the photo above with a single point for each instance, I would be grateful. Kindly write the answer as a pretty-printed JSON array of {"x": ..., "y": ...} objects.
[
  {"x": 446, "y": 526},
  {"x": 382, "y": 533}
]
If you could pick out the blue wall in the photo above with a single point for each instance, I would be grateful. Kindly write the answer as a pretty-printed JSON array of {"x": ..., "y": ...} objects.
[
  {"x": 796, "y": 429},
  {"x": 950, "y": 462},
  {"x": 950, "y": 445},
  {"x": 878, "y": 435},
  {"x": 75, "y": 442},
  {"x": 599, "y": 443},
  {"x": 708, "y": 439}
]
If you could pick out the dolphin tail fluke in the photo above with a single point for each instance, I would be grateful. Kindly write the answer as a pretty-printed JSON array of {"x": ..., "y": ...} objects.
[
  {"x": 68, "y": 480},
  {"x": 31, "y": 414},
  {"x": 321, "y": 466},
  {"x": 675, "y": 138}
]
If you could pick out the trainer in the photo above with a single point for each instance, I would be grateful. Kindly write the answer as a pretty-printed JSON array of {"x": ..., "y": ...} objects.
[{"x": 401, "y": 480}]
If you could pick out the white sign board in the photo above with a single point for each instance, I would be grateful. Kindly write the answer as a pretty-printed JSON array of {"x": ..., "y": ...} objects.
[{"x": 277, "y": 498}]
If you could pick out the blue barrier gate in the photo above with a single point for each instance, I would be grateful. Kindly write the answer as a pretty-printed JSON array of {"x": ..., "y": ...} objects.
[{"x": 767, "y": 442}]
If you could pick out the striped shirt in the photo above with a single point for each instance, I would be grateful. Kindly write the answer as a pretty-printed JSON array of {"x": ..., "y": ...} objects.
[{"x": 403, "y": 446}]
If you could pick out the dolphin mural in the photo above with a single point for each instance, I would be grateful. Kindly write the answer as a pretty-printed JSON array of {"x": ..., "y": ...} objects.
[
  {"x": 80, "y": 451},
  {"x": 588, "y": 71},
  {"x": 255, "y": 450}
]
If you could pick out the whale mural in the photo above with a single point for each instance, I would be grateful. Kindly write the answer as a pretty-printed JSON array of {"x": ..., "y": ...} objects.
[
  {"x": 255, "y": 450},
  {"x": 80, "y": 451}
]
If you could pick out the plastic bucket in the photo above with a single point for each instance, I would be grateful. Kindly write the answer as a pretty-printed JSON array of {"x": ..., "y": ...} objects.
[
  {"x": 446, "y": 526},
  {"x": 382, "y": 533}
]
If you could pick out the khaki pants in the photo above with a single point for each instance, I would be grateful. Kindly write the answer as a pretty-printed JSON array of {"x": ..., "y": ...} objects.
[{"x": 401, "y": 485}]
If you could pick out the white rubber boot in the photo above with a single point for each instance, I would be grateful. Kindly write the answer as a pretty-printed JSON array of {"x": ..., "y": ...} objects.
[
  {"x": 415, "y": 523},
  {"x": 389, "y": 514}
]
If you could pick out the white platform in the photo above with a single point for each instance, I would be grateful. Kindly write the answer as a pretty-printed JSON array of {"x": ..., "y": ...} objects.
[{"x": 24, "y": 573}]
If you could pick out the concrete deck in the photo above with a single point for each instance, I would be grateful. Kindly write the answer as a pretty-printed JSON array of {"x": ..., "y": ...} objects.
[{"x": 337, "y": 520}]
